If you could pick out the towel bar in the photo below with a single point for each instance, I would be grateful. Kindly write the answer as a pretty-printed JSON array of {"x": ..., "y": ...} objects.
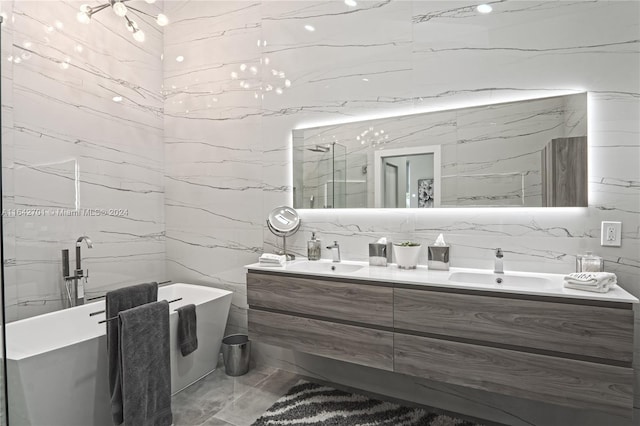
[
  {"x": 113, "y": 318},
  {"x": 103, "y": 296}
]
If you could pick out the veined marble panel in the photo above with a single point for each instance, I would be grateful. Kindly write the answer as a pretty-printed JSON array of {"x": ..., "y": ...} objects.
[
  {"x": 79, "y": 151},
  {"x": 417, "y": 56}
]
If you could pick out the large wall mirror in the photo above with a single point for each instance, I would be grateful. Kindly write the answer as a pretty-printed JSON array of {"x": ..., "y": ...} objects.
[{"x": 530, "y": 153}]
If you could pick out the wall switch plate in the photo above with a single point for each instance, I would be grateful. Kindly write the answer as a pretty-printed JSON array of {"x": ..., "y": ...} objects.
[{"x": 611, "y": 234}]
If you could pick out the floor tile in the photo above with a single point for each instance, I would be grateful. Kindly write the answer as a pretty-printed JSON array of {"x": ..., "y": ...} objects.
[
  {"x": 214, "y": 421},
  {"x": 245, "y": 410},
  {"x": 202, "y": 400}
]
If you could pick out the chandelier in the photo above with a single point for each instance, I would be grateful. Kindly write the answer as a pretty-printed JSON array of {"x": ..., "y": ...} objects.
[
  {"x": 124, "y": 11},
  {"x": 261, "y": 78}
]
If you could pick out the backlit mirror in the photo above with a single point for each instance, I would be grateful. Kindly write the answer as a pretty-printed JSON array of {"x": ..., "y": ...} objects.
[{"x": 530, "y": 153}]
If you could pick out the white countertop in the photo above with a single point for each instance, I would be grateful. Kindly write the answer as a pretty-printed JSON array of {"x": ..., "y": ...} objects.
[{"x": 553, "y": 287}]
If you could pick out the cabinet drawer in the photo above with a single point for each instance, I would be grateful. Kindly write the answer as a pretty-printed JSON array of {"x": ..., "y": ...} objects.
[
  {"x": 582, "y": 330},
  {"x": 349, "y": 343},
  {"x": 346, "y": 301},
  {"x": 539, "y": 377}
]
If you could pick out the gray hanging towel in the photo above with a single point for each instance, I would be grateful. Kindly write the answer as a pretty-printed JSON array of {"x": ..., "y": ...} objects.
[
  {"x": 116, "y": 301},
  {"x": 187, "y": 329},
  {"x": 145, "y": 365}
]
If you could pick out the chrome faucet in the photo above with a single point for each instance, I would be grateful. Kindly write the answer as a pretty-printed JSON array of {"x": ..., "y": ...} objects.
[
  {"x": 74, "y": 284},
  {"x": 499, "y": 267},
  {"x": 335, "y": 251}
]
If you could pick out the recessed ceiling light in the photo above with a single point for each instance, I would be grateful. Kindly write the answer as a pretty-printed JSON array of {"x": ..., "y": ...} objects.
[
  {"x": 117, "y": 99},
  {"x": 365, "y": 79},
  {"x": 484, "y": 8},
  {"x": 309, "y": 28},
  {"x": 351, "y": 3},
  {"x": 179, "y": 58}
]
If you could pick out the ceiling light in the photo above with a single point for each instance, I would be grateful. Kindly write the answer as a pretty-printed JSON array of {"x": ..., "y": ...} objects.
[
  {"x": 117, "y": 99},
  {"x": 484, "y": 8},
  {"x": 138, "y": 35},
  {"x": 179, "y": 58},
  {"x": 124, "y": 11},
  {"x": 309, "y": 28},
  {"x": 119, "y": 9},
  {"x": 351, "y": 3},
  {"x": 162, "y": 19}
]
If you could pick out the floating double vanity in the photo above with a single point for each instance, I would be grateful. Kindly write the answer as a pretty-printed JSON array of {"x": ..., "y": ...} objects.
[{"x": 526, "y": 336}]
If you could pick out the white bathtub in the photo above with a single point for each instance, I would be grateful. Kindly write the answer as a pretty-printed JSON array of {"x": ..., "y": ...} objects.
[{"x": 57, "y": 362}]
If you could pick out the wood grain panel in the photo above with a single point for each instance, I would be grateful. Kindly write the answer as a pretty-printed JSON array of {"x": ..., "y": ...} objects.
[
  {"x": 564, "y": 172},
  {"x": 331, "y": 299},
  {"x": 538, "y": 377},
  {"x": 349, "y": 343},
  {"x": 574, "y": 329}
]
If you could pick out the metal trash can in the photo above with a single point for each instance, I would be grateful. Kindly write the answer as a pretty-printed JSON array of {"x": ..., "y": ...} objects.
[{"x": 236, "y": 349}]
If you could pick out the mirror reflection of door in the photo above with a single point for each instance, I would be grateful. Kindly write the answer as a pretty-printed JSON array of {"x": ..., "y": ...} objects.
[
  {"x": 390, "y": 185},
  {"x": 409, "y": 178}
]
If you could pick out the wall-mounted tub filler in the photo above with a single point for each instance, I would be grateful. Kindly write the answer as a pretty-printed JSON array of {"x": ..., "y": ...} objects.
[{"x": 74, "y": 284}]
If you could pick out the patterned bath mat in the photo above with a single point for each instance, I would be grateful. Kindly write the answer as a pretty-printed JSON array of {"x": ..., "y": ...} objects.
[{"x": 310, "y": 404}]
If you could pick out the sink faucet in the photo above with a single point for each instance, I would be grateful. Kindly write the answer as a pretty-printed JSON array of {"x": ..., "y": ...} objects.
[
  {"x": 75, "y": 293},
  {"x": 499, "y": 267},
  {"x": 335, "y": 251}
]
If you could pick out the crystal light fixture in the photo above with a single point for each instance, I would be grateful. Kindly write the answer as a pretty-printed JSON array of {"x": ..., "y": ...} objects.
[
  {"x": 124, "y": 11},
  {"x": 261, "y": 78}
]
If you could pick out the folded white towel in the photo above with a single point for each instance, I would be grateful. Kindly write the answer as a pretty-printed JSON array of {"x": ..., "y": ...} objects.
[
  {"x": 595, "y": 289},
  {"x": 598, "y": 282},
  {"x": 270, "y": 259},
  {"x": 591, "y": 278}
]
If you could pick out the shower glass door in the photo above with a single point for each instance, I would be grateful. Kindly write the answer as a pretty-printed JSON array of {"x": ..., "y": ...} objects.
[{"x": 5, "y": 72}]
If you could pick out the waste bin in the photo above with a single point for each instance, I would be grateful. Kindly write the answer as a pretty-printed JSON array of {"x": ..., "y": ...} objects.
[{"x": 235, "y": 353}]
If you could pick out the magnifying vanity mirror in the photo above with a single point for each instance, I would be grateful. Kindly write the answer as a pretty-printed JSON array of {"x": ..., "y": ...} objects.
[
  {"x": 530, "y": 153},
  {"x": 283, "y": 222}
]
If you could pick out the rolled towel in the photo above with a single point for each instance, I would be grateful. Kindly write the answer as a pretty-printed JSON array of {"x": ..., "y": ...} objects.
[
  {"x": 593, "y": 279},
  {"x": 187, "y": 329}
]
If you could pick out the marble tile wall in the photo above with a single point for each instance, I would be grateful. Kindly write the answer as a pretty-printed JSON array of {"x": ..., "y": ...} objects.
[
  {"x": 228, "y": 143},
  {"x": 490, "y": 154},
  {"x": 199, "y": 166},
  {"x": 71, "y": 153}
]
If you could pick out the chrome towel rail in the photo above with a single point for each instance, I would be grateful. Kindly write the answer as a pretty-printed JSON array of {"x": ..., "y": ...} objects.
[
  {"x": 113, "y": 318},
  {"x": 104, "y": 295}
]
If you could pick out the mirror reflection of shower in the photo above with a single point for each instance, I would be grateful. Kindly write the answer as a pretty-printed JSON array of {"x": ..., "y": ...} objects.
[
  {"x": 320, "y": 148},
  {"x": 324, "y": 178},
  {"x": 330, "y": 163}
]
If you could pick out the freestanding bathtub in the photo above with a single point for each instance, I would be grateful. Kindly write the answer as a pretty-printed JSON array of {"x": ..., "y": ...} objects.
[{"x": 57, "y": 362}]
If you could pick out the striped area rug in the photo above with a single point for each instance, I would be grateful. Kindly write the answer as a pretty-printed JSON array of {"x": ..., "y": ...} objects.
[{"x": 310, "y": 404}]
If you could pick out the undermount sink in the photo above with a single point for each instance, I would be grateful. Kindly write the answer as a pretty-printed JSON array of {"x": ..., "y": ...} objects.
[
  {"x": 306, "y": 266},
  {"x": 492, "y": 278}
]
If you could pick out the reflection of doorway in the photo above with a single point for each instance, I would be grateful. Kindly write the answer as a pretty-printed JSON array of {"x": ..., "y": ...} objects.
[
  {"x": 390, "y": 185},
  {"x": 413, "y": 166}
]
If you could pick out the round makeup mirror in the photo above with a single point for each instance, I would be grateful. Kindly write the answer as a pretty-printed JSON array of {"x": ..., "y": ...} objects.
[{"x": 284, "y": 221}]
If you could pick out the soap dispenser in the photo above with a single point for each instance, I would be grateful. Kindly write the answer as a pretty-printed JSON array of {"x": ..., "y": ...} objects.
[{"x": 313, "y": 248}]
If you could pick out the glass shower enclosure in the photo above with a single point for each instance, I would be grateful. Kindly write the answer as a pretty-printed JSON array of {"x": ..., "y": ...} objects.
[{"x": 325, "y": 176}]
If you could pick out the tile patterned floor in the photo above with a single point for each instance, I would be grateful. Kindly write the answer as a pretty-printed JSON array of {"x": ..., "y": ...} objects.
[{"x": 221, "y": 400}]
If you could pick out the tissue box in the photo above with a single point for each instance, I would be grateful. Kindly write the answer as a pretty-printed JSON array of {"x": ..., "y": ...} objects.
[
  {"x": 379, "y": 254},
  {"x": 438, "y": 258}
]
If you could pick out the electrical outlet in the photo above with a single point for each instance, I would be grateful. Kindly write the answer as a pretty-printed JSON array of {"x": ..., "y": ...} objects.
[{"x": 611, "y": 234}]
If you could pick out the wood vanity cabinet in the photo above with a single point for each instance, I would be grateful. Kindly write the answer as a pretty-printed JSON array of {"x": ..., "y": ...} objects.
[
  {"x": 573, "y": 352},
  {"x": 336, "y": 319}
]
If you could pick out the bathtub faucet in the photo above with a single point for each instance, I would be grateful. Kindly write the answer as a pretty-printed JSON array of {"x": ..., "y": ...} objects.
[{"x": 74, "y": 284}]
